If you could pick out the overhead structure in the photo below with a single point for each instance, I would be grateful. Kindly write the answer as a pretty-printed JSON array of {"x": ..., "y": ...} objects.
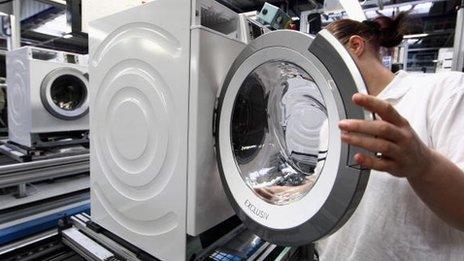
[{"x": 352, "y": 8}]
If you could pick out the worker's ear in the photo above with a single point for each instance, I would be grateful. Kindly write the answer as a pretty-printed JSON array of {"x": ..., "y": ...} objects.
[{"x": 356, "y": 45}]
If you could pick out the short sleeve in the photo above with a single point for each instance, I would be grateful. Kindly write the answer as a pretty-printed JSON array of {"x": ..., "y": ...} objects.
[{"x": 447, "y": 122}]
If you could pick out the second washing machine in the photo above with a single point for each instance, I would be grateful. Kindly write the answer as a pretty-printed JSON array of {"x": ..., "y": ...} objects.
[{"x": 48, "y": 96}]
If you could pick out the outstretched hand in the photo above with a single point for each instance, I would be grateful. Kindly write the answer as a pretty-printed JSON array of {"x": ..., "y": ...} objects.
[{"x": 402, "y": 153}]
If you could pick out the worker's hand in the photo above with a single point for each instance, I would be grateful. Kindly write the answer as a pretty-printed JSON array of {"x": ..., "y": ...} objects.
[
  {"x": 285, "y": 193},
  {"x": 403, "y": 154}
]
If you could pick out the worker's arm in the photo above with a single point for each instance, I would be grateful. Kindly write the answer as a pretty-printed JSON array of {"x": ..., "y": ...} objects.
[{"x": 434, "y": 178}]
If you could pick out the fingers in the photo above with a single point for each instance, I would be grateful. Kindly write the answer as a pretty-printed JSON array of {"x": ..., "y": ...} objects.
[
  {"x": 381, "y": 129},
  {"x": 384, "y": 109},
  {"x": 372, "y": 162},
  {"x": 385, "y": 147},
  {"x": 264, "y": 193}
]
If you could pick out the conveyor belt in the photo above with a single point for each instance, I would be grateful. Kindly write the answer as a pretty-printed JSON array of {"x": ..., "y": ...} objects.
[
  {"x": 79, "y": 242},
  {"x": 25, "y": 220},
  {"x": 25, "y": 210}
]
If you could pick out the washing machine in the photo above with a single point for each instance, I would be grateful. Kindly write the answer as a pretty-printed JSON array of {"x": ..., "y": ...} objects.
[
  {"x": 194, "y": 119},
  {"x": 47, "y": 93}
]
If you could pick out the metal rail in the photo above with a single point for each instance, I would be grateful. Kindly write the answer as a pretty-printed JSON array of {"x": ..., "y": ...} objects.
[
  {"x": 14, "y": 174},
  {"x": 458, "y": 57},
  {"x": 29, "y": 210},
  {"x": 79, "y": 222},
  {"x": 28, "y": 241},
  {"x": 85, "y": 246},
  {"x": 43, "y": 163}
]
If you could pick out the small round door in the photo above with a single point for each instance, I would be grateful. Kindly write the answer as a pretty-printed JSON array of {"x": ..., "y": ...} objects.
[
  {"x": 283, "y": 165},
  {"x": 64, "y": 93}
]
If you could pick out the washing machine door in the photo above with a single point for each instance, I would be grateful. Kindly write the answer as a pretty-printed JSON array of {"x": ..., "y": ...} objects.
[
  {"x": 283, "y": 165},
  {"x": 64, "y": 93}
]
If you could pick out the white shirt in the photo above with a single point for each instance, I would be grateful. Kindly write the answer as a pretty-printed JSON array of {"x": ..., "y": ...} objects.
[{"x": 391, "y": 222}]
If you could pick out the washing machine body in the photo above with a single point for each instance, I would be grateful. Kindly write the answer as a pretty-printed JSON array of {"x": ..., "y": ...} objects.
[
  {"x": 47, "y": 93},
  {"x": 165, "y": 80},
  {"x": 156, "y": 72}
]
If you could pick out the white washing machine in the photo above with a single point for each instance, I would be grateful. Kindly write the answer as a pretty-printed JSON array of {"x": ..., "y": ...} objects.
[
  {"x": 178, "y": 92},
  {"x": 47, "y": 93}
]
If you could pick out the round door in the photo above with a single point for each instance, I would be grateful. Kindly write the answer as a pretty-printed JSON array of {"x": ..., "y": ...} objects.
[
  {"x": 64, "y": 93},
  {"x": 283, "y": 165}
]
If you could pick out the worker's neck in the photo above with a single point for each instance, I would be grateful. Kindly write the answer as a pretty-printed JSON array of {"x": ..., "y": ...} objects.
[{"x": 376, "y": 77}]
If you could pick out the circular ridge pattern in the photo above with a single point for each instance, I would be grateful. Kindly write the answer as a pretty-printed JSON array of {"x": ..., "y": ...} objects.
[
  {"x": 135, "y": 176},
  {"x": 132, "y": 105},
  {"x": 19, "y": 96}
]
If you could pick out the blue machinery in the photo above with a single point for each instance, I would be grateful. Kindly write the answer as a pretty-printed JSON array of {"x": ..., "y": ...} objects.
[{"x": 33, "y": 226}]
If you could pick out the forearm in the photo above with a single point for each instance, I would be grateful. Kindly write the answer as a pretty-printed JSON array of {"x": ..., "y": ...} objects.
[{"x": 441, "y": 188}]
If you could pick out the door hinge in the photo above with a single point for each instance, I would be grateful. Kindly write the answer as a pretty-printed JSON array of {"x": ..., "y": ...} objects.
[{"x": 215, "y": 112}]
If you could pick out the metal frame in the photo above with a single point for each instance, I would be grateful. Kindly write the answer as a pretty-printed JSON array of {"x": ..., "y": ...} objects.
[
  {"x": 12, "y": 215},
  {"x": 74, "y": 15},
  {"x": 458, "y": 57},
  {"x": 5, "y": 249},
  {"x": 79, "y": 228},
  {"x": 85, "y": 246},
  {"x": 15, "y": 26},
  {"x": 57, "y": 3},
  {"x": 80, "y": 221},
  {"x": 321, "y": 10},
  {"x": 45, "y": 149},
  {"x": 403, "y": 4}
]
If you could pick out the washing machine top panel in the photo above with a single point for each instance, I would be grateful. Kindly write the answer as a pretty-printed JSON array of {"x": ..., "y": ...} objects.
[
  {"x": 282, "y": 163},
  {"x": 64, "y": 93}
]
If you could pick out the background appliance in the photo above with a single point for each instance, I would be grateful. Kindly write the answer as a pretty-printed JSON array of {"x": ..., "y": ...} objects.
[
  {"x": 445, "y": 59},
  {"x": 47, "y": 94},
  {"x": 274, "y": 17},
  {"x": 156, "y": 72}
]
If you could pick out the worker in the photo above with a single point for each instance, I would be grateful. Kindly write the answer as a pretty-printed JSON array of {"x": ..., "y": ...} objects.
[{"x": 413, "y": 206}]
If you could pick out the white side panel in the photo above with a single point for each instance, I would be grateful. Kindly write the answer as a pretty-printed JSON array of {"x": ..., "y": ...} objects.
[
  {"x": 139, "y": 76},
  {"x": 42, "y": 120},
  {"x": 92, "y": 10},
  {"x": 212, "y": 56},
  {"x": 19, "y": 97}
]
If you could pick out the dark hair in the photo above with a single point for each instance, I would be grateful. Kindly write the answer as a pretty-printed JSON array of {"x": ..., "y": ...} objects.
[{"x": 382, "y": 31}]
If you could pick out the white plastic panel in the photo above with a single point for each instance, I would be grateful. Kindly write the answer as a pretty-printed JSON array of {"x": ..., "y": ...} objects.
[
  {"x": 212, "y": 56},
  {"x": 139, "y": 68},
  {"x": 18, "y": 95},
  {"x": 92, "y": 10}
]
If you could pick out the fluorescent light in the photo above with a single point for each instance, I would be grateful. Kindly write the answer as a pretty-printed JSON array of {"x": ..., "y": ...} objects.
[
  {"x": 56, "y": 27},
  {"x": 409, "y": 36}
]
